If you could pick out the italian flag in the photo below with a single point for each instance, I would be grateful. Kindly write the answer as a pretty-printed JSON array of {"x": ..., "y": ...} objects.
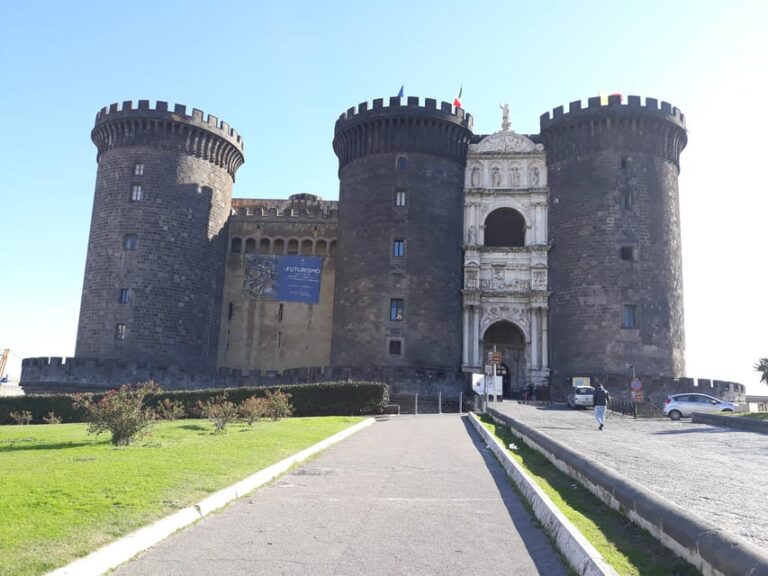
[{"x": 457, "y": 100}]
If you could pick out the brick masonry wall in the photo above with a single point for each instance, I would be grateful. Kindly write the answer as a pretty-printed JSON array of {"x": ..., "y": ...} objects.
[
  {"x": 269, "y": 335},
  {"x": 614, "y": 185},
  {"x": 428, "y": 277},
  {"x": 174, "y": 276}
]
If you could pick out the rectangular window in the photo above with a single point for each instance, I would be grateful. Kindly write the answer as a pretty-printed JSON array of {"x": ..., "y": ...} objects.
[
  {"x": 627, "y": 200},
  {"x": 280, "y": 313},
  {"x": 229, "y": 336},
  {"x": 120, "y": 332},
  {"x": 136, "y": 193},
  {"x": 398, "y": 248},
  {"x": 630, "y": 316},
  {"x": 401, "y": 164},
  {"x": 138, "y": 169},
  {"x": 395, "y": 347},
  {"x": 396, "y": 309},
  {"x": 399, "y": 197},
  {"x": 130, "y": 242},
  {"x": 628, "y": 253},
  {"x": 123, "y": 298},
  {"x": 231, "y": 313}
]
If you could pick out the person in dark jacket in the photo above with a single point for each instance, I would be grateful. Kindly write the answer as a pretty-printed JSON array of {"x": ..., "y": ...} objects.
[{"x": 601, "y": 398}]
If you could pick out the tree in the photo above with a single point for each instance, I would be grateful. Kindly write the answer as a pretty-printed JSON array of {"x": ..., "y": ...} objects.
[{"x": 762, "y": 366}]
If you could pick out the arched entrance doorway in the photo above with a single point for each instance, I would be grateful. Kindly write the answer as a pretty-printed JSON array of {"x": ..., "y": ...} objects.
[{"x": 510, "y": 341}]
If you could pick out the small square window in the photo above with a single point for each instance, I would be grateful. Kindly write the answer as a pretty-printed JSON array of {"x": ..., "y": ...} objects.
[
  {"x": 398, "y": 248},
  {"x": 395, "y": 347},
  {"x": 130, "y": 242},
  {"x": 396, "y": 309},
  {"x": 138, "y": 169},
  {"x": 628, "y": 253},
  {"x": 137, "y": 193},
  {"x": 399, "y": 197},
  {"x": 630, "y": 316},
  {"x": 120, "y": 332},
  {"x": 123, "y": 297}
]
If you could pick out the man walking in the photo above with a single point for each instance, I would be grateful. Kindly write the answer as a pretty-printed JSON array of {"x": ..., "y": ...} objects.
[{"x": 601, "y": 403}]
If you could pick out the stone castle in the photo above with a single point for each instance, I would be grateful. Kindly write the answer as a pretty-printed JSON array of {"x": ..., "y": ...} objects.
[{"x": 558, "y": 250}]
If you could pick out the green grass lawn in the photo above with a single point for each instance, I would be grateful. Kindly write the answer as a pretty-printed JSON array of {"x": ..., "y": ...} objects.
[
  {"x": 755, "y": 415},
  {"x": 64, "y": 493},
  {"x": 629, "y": 549}
]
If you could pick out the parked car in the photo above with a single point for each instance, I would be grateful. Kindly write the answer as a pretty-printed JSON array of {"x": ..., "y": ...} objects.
[
  {"x": 580, "y": 396},
  {"x": 678, "y": 406}
]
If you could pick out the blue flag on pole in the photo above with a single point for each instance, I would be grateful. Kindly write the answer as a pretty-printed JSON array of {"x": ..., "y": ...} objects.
[{"x": 400, "y": 94}]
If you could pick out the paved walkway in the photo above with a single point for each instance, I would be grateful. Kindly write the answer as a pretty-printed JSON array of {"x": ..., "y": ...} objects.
[
  {"x": 409, "y": 495},
  {"x": 717, "y": 473}
]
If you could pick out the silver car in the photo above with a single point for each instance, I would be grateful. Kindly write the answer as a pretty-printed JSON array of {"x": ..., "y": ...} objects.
[
  {"x": 679, "y": 406},
  {"x": 580, "y": 396}
]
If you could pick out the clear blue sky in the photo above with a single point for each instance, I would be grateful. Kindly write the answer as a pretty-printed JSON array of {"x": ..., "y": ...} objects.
[{"x": 281, "y": 73}]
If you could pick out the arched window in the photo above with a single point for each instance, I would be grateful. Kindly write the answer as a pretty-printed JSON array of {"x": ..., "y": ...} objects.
[
  {"x": 250, "y": 245},
  {"x": 237, "y": 245},
  {"x": 306, "y": 248},
  {"x": 505, "y": 227},
  {"x": 278, "y": 246},
  {"x": 293, "y": 246},
  {"x": 322, "y": 247},
  {"x": 264, "y": 246}
]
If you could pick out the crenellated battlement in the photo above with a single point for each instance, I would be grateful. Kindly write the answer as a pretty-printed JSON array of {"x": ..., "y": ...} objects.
[
  {"x": 119, "y": 125},
  {"x": 412, "y": 108},
  {"x": 297, "y": 206},
  {"x": 615, "y": 105},
  {"x": 649, "y": 127},
  {"x": 396, "y": 128}
]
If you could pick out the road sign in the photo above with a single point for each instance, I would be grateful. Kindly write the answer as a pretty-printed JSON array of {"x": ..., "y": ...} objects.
[
  {"x": 494, "y": 358},
  {"x": 636, "y": 384}
]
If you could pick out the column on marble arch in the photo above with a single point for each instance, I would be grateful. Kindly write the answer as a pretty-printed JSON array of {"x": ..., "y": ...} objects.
[
  {"x": 476, "y": 336},
  {"x": 465, "y": 330},
  {"x": 544, "y": 339},
  {"x": 535, "y": 362}
]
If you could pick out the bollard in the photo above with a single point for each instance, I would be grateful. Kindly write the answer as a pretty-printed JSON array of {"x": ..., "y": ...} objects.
[
  {"x": 416, "y": 404},
  {"x": 440, "y": 402},
  {"x": 461, "y": 403}
]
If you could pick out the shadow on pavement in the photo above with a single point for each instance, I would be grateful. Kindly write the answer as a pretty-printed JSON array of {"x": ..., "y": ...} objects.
[{"x": 541, "y": 556}]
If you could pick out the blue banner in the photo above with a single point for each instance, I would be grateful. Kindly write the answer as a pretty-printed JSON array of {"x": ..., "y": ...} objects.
[{"x": 283, "y": 278}]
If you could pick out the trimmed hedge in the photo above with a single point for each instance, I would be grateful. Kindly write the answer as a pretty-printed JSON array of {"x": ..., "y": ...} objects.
[{"x": 323, "y": 399}]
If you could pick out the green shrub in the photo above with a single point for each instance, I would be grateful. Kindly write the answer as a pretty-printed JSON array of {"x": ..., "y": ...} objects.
[
  {"x": 220, "y": 411},
  {"x": 253, "y": 408},
  {"x": 22, "y": 417},
  {"x": 318, "y": 399},
  {"x": 278, "y": 404},
  {"x": 167, "y": 409},
  {"x": 51, "y": 418},
  {"x": 121, "y": 412},
  {"x": 62, "y": 405}
]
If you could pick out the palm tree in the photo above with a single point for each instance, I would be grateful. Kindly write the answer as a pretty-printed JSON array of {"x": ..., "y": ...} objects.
[{"x": 762, "y": 366}]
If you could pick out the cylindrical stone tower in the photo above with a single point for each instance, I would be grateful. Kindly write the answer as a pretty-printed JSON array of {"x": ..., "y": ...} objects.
[
  {"x": 157, "y": 246},
  {"x": 399, "y": 271},
  {"x": 615, "y": 263}
]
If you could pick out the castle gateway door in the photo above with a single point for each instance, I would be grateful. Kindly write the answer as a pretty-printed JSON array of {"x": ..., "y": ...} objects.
[{"x": 509, "y": 340}]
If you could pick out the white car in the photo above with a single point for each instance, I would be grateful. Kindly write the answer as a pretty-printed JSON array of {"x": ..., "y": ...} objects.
[
  {"x": 679, "y": 406},
  {"x": 580, "y": 396}
]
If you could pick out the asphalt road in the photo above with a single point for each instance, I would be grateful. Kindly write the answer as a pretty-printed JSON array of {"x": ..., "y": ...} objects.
[
  {"x": 717, "y": 473},
  {"x": 409, "y": 495}
]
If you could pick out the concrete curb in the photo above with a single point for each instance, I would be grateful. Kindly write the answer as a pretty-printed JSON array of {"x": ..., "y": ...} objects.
[
  {"x": 580, "y": 554},
  {"x": 709, "y": 548},
  {"x": 122, "y": 550},
  {"x": 736, "y": 422}
]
